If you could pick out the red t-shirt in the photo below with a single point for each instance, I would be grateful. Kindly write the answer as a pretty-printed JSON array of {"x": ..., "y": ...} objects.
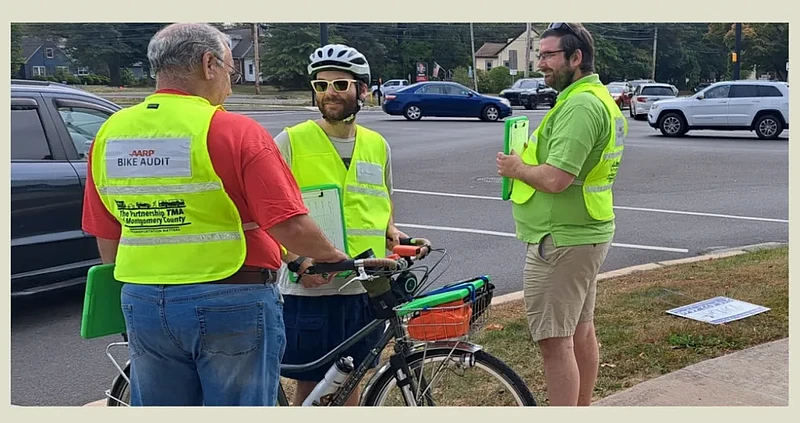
[{"x": 244, "y": 155}]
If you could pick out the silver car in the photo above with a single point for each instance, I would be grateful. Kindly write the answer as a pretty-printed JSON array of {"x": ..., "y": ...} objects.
[{"x": 646, "y": 94}]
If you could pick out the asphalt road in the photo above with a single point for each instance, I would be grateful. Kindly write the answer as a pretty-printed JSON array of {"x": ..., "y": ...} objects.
[{"x": 675, "y": 198}]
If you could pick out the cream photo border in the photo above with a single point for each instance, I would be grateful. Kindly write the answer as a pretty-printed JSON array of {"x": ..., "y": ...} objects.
[{"x": 348, "y": 11}]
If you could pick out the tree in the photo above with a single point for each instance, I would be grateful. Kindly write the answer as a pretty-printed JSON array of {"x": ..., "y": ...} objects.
[
  {"x": 287, "y": 49},
  {"x": 765, "y": 45},
  {"x": 17, "y": 32}
]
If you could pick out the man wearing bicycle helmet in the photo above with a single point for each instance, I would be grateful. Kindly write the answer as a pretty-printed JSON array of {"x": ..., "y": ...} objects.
[{"x": 336, "y": 150}]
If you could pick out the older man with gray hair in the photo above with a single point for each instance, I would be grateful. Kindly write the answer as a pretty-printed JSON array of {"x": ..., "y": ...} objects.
[{"x": 197, "y": 253}]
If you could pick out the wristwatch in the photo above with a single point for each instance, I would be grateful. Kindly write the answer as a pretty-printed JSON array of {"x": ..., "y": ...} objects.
[{"x": 294, "y": 266}]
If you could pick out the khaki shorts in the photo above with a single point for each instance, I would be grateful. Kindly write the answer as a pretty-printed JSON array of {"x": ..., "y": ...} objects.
[{"x": 560, "y": 285}]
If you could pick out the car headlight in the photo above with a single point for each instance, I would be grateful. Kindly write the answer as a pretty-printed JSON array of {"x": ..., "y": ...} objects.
[
  {"x": 654, "y": 106},
  {"x": 503, "y": 92},
  {"x": 505, "y": 101}
]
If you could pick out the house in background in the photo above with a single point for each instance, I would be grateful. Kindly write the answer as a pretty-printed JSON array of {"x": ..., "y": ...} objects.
[
  {"x": 243, "y": 53},
  {"x": 510, "y": 54},
  {"x": 45, "y": 58}
]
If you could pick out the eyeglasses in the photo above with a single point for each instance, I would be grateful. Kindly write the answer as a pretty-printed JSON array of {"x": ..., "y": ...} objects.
[
  {"x": 548, "y": 54},
  {"x": 339, "y": 85},
  {"x": 236, "y": 76}
]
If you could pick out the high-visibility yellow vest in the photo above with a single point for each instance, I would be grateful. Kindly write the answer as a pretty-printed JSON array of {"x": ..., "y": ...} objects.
[
  {"x": 151, "y": 166},
  {"x": 597, "y": 193},
  {"x": 365, "y": 196}
]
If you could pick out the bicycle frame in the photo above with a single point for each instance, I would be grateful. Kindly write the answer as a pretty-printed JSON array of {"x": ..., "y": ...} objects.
[{"x": 393, "y": 329}]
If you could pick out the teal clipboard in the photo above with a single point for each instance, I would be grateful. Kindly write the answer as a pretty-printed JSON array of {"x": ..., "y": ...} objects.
[
  {"x": 324, "y": 203},
  {"x": 102, "y": 304},
  {"x": 515, "y": 137}
]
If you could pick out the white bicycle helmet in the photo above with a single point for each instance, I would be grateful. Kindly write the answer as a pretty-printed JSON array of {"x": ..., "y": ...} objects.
[{"x": 339, "y": 57}]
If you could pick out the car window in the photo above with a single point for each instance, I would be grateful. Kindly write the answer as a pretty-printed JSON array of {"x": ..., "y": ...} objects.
[
  {"x": 614, "y": 88},
  {"x": 528, "y": 84},
  {"x": 718, "y": 92},
  {"x": 456, "y": 90},
  {"x": 432, "y": 89},
  {"x": 82, "y": 124},
  {"x": 739, "y": 91},
  {"x": 767, "y": 91},
  {"x": 657, "y": 91},
  {"x": 28, "y": 141}
]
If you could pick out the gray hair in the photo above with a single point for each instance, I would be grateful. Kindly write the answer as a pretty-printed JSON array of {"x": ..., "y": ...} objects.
[{"x": 176, "y": 50}]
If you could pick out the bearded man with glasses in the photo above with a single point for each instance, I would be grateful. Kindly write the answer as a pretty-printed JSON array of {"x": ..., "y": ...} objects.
[
  {"x": 336, "y": 150},
  {"x": 563, "y": 210}
]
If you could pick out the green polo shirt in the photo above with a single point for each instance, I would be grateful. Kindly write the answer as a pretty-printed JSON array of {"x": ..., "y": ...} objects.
[{"x": 572, "y": 140}]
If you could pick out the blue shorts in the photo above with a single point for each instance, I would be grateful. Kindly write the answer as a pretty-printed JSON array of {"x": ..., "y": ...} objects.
[{"x": 315, "y": 326}]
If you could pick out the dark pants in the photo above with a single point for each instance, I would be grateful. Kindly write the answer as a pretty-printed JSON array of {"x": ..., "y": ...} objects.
[{"x": 317, "y": 325}]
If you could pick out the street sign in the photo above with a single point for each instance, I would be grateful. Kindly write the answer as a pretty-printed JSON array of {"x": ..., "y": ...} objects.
[{"x": 512, "y": 71}]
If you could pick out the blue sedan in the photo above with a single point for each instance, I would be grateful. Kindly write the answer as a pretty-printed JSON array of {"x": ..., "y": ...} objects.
[{"x": 445, "y": 99}]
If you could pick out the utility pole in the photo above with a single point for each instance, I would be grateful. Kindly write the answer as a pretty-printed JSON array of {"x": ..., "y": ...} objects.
[
  {"x": 323, "y": 34},
  {"x": 527, "y": 48},
  {"x": 323, "y": 40},
  {"x": 737, "y": 51},
  {"x": 256, "y": 59},
  {"x": 655, "y": 47},
  {"x": 474, "y": 68}
]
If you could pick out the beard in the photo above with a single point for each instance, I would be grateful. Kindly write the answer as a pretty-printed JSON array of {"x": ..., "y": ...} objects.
[
  {"x": 560, "y": 79},
  {"x": 338, "y": 109}
]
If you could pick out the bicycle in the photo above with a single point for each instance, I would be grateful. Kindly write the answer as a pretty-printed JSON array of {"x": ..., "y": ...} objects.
[{"x": 429, "y": 327}]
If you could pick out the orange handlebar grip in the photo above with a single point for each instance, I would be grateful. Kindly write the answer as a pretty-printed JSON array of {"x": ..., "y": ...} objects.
[{"x": 406, "y": 250}]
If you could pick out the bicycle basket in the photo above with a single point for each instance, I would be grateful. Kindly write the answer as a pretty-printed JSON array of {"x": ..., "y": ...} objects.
[{"x": 449, "y": 320}]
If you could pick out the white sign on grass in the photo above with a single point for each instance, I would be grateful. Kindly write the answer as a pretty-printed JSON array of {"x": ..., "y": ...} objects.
[{"x": 718, "y": 310}]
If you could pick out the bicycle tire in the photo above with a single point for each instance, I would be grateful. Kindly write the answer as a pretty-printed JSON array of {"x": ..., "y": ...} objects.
[
  {"x": 118, "y": 388},
  {"x": 481, "y": 357}
]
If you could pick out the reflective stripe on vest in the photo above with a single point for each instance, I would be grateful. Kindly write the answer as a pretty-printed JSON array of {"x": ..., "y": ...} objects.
[
  {"x": 151, "y": 167},
  {"x": 366, "y": 202},
  {"x": 597, "y": 188}
]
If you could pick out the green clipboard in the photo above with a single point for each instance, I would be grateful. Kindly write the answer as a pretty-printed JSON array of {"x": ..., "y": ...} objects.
[
  {"x": 324, "y": 203},
  {"x": 515, "y": 137},
  {"x": 102, "y": 305}
]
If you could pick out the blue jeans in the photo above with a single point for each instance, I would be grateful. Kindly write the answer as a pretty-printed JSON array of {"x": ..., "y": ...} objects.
[{"x": 204, "y": 344}]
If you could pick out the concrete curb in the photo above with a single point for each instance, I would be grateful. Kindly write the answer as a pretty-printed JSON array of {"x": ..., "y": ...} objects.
[
  {"x": 619, "y": 272},
  {"x": 729, "y": 252}
]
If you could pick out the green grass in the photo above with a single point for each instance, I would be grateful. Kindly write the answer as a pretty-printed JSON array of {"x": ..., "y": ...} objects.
[{"x": 639, "y": 341}]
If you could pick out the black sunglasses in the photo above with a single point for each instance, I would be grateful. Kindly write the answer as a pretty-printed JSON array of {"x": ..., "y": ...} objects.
[{"x": 563, "y": 26}]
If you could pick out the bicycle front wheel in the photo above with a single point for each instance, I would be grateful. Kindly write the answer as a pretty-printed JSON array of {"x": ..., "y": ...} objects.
[{"x": 454, "y": 378}]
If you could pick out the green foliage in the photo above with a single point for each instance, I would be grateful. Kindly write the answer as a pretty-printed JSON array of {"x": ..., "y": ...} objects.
[
  {"x": 17, "y": 32},
  {"x": 461, "y": 75},
  {"x": 287, "y": 49}
]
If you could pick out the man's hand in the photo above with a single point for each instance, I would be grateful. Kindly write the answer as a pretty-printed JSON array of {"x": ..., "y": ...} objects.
[
  {"x": 393, "y": 236},
  {"x": 311, "y": 281},
  {"x": 509, "y": 165}
]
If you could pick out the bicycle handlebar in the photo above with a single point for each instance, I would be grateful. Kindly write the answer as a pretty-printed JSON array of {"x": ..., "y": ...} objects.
[{"x": 409, "y": 248}]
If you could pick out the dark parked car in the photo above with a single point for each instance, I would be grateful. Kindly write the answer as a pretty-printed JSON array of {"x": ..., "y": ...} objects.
[
  {"x": 445, "y": 99},
  {"x": 541, "y": 94},
  {"x": 52, "y": 127},
  {"x": 513, "y": 92}
]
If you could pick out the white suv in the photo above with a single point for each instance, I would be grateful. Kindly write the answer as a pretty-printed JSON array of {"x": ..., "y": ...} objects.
[{"x": 751, "y": 105}]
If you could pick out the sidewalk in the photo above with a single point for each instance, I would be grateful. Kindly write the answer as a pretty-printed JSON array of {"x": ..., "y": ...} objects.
[{"x": 757, "y": 376}]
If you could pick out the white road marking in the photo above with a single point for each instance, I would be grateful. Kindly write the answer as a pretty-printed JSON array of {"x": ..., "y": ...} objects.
[
  {"x": 690, "y": 213},
  {"x": 510, "y": 235}
]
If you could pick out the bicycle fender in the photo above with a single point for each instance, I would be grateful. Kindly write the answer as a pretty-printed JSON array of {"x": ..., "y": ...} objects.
[{"x": 449, "y": 345}]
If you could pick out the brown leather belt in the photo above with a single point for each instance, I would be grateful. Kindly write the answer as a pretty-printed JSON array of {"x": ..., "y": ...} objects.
[{"x": 250, "y": 275}]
